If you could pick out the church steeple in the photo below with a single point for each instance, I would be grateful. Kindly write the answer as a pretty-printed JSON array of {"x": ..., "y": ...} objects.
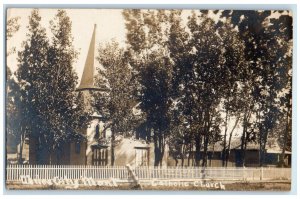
[{"x": 87, "y": 79}]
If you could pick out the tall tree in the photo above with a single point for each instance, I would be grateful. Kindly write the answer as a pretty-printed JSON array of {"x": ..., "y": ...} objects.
[
  {"x": 64, "y": 113},
  {"x": 31, "y": 75},
  {"x": 208, "y": 63},
  {"x": 234, "y": 69},
  {"x": 182, "y": 81},
  {"x": 51, "y": 114},
  {"x": 267, "y": 47},
  {"x": 14, "y": 134},
  {"x": 146, "y": 38},
  {"x": 118, "y": 102},
  {"x": 207, "y": 83},
  {"x": 282, "y": 29}
]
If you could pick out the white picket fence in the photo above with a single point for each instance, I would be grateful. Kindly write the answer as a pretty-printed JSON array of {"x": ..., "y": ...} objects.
[{"x": 13, "y": 172}]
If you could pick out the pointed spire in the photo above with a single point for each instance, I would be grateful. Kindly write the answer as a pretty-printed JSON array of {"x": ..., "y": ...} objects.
[{"x": 87, "y": 79}]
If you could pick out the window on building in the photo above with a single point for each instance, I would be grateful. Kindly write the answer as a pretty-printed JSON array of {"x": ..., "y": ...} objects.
[{"x": 97, "y": 134}]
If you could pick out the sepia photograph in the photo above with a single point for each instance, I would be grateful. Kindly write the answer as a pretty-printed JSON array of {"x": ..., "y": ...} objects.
[{"x": 148, "y": 99}]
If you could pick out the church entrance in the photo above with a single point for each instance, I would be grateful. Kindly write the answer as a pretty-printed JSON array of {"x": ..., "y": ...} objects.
[{"x": 100, "y": 155}]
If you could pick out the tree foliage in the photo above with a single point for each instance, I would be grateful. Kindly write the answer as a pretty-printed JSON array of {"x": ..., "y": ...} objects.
[
  {"x": 51, "y": 115},
  {"x": 268, "y": 52},
  {"x": 116, "y": 104},
  {"x": 193, "y": 72}
]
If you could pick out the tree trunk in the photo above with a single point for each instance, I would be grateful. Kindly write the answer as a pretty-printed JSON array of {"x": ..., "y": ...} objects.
[
  {"x": 212, "y": 155},
  {"x": 263, "y": 148},
  {"x": 206, "y": 138},
  {"x": 190, "y": 153},
  {"x": 182, "y": 155},
  {"x": 229, "y": 141},
  {"x": 157, "y": 152},
  {"x": 20, "y": 155},
  {"x": 197, "y": 154},
  {"x": 243, "y": 140},
  {"x": 112, "y": 160},
  {"x": 204, "y": 158},
  {"x": 176, "y": 161},
  {"x": 161, "y": 148},
  {"x": 225, "y": 137},
  {"x": 281, "y": 162}
]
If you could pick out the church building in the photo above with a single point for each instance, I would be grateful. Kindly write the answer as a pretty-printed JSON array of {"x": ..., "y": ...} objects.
[{"x": 97, "y": 147}]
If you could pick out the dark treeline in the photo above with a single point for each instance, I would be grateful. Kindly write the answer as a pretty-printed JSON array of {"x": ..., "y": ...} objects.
[
  {"x": 192, "y": 78},
  {"x": 190, "y": 73}
]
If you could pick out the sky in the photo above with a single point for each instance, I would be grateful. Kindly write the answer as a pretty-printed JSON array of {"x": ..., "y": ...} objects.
[{"x": 110, "y": 25}]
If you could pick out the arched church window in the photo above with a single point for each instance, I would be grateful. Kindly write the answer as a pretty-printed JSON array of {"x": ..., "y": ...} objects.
[{"x": 97, "y": 134}]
